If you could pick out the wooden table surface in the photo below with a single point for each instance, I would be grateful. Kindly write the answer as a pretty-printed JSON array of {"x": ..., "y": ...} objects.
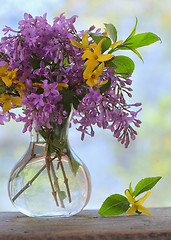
[{"x": 87, "y": 225}]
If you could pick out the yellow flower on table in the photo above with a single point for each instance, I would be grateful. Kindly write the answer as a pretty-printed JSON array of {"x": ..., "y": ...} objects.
[
  {"x": 94, "y": 57},
  {"x": 85, "y": 43},
  {"x": 92, "y": 76},
  {"x": 7, "y": 100},
  {"x": 137, "y": 205},
  {"x": 8, "y": 76}
]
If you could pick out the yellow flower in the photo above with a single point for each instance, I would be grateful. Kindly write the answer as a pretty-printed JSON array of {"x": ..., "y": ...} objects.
[
  {"x": 92, "y": 76},
  {"x": 38, "y": 85},
  {"x": 95, "y": 57},
  {"x": 8, "y": 76},
  {"x": 105, "y": 32},
  {"x": 20, "y": 86},
  {"x": 114, "y": 45},
  {"x": 62, "y": 85},
  {"x": 137, "y": 205},
  {"x": 85, "y": 44},
  {"x": 7, "y": 100}
]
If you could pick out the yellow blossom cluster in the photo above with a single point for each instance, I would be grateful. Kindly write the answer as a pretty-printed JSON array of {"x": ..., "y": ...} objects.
[
  {"x": 8, "y": 77},
  {"x": 94, "y": 60}
]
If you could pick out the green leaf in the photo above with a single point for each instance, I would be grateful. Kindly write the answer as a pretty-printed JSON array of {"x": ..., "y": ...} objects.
[
  {"x": 124, "y": 64},
  {"x": 133, "y": 31},
  {"x": 109, "y": 63},
  {"x": 137, "y": 53},
  {"x": 62, "y": 195},
  {"x": 114, "y": 205},
  {"x": 67, "y": 99},
  {"x": 76, "y": 102},
  {"x": 3, "y": 89},
  {"x": 42, "y": 133},
  {"x": 130, "y": 188},
  {"x": 75, "y": 165},
  {"x": 132, "y": 49},
  {"x": 141, "y": 40},
  {"x": 98, "y": 37},
  {"x": 105, "y": 87},
  {"x": 111, "y": 30},
  {"x": 35, "y": 61},
  {"x": 145, "y": 185}
]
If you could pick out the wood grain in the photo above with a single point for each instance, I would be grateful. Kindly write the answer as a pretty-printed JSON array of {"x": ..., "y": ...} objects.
[{"x": 87, "y": 225}]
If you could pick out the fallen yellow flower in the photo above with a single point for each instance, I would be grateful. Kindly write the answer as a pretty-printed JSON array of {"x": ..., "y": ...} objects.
[{"x": 137, "y": 205}]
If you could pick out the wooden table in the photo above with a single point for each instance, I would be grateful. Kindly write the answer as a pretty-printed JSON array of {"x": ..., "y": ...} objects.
[{"x": 87, "y": 225}]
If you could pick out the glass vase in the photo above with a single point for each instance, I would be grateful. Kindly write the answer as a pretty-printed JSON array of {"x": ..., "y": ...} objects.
[{"x": 50, "y": 180}]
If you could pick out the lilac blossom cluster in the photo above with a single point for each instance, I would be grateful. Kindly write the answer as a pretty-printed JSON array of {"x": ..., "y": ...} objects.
[
  {"x": 45, "y": 59},
  {"x": 109, "y": 110}
]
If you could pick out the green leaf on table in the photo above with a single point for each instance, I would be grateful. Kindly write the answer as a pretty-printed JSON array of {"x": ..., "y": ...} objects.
[
  {"x": 130, "y": 188},
  {"x": 124, "y": 65},
  {"x": 114, "y": 205},
  {"x": 141, "y": 40},
  {"x": 98, "y": 37},
  {"x": 145, "y": 185},
  {"x": 112, "y": 32}
]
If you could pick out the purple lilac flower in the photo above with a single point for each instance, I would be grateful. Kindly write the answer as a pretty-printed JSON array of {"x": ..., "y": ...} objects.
[{"x": 45, "y": 57}]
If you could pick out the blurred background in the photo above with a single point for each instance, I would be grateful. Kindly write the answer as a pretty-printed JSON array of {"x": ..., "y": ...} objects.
[{"x": 112, "y": 166}]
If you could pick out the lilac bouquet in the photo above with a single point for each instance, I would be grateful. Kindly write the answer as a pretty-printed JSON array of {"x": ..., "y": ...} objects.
[{"x": 50, "y": 68}]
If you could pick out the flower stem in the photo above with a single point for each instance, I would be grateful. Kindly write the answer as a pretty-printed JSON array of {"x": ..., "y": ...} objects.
[
  {"x": 65, "y": 178},
  {"x": 47, "y": 160},
  {"x": 56, "y": 184}
]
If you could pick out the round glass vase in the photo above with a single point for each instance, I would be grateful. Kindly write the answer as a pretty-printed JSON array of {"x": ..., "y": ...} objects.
[{"x": 48, "y": 183}]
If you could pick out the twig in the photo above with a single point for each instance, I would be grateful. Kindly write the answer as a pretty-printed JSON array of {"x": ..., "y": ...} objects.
[
  {"x": 30, "y": 182},
  {"x": 65, "y": 179},
  {"x": 56, "y": 184},
  {"x": 48, "y": 168}
]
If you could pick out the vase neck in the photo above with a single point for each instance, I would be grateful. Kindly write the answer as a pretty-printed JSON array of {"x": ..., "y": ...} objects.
[{"x": 59, "y": 131}]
